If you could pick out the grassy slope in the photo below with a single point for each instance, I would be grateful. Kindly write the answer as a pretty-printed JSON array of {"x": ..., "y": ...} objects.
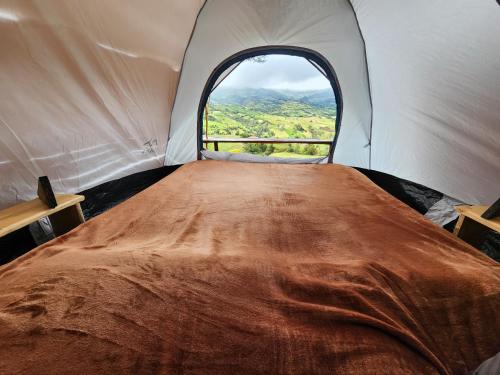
[{"x": 285, "y": 119}]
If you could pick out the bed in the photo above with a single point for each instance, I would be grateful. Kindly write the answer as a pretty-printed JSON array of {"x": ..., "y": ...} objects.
[{"x": 232, "y": 268}]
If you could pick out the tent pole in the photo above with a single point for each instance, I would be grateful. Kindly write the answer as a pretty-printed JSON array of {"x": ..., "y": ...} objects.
[{"x": 206, "y": 124}]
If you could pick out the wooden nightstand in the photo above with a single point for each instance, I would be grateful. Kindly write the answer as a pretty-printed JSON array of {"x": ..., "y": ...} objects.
[
  {"x": 471, "y": 226},
  {"x": 64, "y": 217}
]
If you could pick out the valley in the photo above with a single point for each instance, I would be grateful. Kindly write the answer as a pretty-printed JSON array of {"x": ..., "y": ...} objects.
[{"x": 266, "y": 113}]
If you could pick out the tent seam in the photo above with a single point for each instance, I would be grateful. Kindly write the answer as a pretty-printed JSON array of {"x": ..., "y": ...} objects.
[
  {"x": 369, "y": 84},
  {"x": 180, "y": 77}
]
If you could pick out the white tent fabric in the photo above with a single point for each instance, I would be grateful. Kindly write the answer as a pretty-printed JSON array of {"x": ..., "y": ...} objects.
[
  {"x": 226, "y": 27},
  {"x": 434, "y": 70},
  {"x": 87, "y": 88}
]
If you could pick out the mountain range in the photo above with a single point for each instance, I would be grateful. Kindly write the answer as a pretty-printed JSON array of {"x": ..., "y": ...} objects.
[{"x": 273, "y": 97}]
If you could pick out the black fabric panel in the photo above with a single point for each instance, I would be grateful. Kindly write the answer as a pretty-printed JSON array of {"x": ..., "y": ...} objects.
[
  {"x": 416, "y": 196},
  {"x": 105, "y": 196},
  {"x": 491, "y": 245},
  {"x": 451, "y": 225},
  {"x": 15, "y": 244}
]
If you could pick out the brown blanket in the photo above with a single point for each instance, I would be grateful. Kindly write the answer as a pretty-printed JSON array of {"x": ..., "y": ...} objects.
[{"x": 234, "y": 268}]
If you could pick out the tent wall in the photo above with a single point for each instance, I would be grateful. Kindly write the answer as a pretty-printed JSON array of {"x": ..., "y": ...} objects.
[
  {"x": 434, "y": 69},
  {"x": 226, "y": 27},
  {"x": 86, "y": 89}
]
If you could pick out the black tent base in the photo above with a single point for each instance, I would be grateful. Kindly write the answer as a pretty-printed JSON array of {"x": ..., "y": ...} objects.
[{"x": 105, "y": 196}]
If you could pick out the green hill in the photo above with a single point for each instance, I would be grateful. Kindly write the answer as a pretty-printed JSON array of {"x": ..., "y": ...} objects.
[{"x": 265, "y": 113}]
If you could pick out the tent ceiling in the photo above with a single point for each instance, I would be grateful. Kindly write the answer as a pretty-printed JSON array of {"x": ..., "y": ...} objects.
[{"x": 87, "y": 87}]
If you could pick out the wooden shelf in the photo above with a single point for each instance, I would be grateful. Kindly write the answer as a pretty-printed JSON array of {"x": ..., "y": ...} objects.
[
  {"x": 475, "y": 212},
  {"x": 22, "y": 214},
  {"x": 471, "y": 227}
]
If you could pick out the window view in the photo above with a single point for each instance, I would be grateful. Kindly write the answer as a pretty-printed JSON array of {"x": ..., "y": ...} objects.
[{"x": 275, "y": 105}]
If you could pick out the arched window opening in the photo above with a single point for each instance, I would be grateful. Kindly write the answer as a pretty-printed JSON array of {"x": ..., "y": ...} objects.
[{"x": 279, "y": 102}]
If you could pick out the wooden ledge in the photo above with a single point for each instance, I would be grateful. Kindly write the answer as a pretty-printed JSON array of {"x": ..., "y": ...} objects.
[
  {"x": 25, "y": 213},
  {"x": 475, "y": 212},
  {"x": 269, "y": 140}
]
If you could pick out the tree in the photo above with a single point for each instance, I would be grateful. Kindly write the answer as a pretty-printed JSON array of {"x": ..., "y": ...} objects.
[
  {"x": 298, "y": 127},
  {"x": 270, "y": 149},
  {"x": 255, "y": 148},
  {"x": 311, "y": 149}
]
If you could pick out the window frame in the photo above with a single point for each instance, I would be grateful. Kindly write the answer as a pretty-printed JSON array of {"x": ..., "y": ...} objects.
[{"x": 312, "y": 56}]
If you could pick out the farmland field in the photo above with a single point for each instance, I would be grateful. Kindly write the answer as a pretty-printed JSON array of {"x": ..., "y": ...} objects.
[{"x": 266, "y": 113}]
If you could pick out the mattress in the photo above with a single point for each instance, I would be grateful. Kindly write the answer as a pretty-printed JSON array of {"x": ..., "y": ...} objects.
[{"x": 240, "y": 268}]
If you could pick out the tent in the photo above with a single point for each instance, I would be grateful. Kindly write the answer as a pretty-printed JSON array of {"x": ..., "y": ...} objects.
[
  {"x": 93, "y": 91},
  {"x": 226, "y": 267}
]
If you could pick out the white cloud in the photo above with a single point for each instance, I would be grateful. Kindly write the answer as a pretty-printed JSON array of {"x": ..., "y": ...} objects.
[{"x": 277, "y": 72}]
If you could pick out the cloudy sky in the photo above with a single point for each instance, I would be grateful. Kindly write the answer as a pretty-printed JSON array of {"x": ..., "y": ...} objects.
[{"x": 277, "y": 72}]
